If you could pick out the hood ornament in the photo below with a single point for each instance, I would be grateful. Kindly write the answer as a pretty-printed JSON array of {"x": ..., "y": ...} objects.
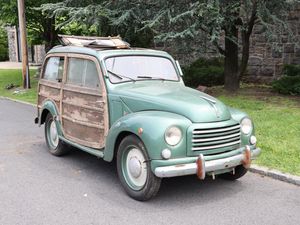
[{"x": 213, "y": 104}]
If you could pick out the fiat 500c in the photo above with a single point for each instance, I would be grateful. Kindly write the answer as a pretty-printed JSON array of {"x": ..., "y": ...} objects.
[{"x": 131, "y": 105}]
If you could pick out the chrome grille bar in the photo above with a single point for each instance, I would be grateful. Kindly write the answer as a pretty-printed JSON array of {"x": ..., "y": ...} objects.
[
  {"x": 216, "y": 138},
  {"x": 215, "y": 130},
  {"x": 216, "y": 146}
]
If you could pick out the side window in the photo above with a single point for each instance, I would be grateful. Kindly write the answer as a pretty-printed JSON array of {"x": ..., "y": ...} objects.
[
  {"x": 83, "y": 72},
  {"x": 75, "y": 71},
  {"x": 54, "y": 69}
]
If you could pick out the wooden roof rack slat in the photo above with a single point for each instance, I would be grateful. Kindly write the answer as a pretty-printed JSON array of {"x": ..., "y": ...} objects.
[{"x": 93, "y": 42}]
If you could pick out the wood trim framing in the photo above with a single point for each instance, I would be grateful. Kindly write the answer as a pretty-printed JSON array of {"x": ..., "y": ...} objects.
[
  {"x": 99, "y": 93},
  {"x": 88, "y": 91},
  {"x": 83, "y": 123}
]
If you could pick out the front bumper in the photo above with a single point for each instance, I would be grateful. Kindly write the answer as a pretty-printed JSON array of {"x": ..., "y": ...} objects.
[{"x": 202, "y": 167}]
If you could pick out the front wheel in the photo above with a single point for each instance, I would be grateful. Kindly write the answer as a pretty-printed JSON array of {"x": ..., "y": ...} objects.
[
  {"x": 134, "y": 169},
  {"x": 56, "y": 146}
]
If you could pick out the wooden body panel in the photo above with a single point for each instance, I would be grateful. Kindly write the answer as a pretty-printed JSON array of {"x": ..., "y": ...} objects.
[
  {"x": 83, "y": 111},
  {"x": 49, "y": 90},
  {"x": 83, "y": 116}
]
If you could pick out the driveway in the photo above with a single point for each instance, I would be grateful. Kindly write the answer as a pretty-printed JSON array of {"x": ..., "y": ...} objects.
[
  {"x": 38, "y": 188},
  {"x": 13, "y": 65}
]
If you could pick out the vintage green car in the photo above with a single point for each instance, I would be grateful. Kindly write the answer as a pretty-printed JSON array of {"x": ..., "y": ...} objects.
[{"x": 116, "y": 102}]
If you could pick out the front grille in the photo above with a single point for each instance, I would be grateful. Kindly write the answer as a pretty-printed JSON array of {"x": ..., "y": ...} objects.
[{"x": 215, "y": 138}]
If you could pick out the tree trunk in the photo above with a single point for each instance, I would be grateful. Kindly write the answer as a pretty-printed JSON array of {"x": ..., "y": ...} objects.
[
  {"x": 50, "y": 34},
  {"x": 246, "y": 34},
  {"x": 231, "y": 64}
]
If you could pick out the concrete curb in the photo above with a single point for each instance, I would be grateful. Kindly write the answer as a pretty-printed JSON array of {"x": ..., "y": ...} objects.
[
  {"x": 15, "y": 100},
  {"x": 275, "y": 174}
]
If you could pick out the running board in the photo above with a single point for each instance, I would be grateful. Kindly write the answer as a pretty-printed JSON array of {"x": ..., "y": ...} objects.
[{"x": 96, "y": 152}]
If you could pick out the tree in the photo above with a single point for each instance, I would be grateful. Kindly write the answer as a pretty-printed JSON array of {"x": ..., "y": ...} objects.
[
  {"x": 101, "y": 18},
  {"x": 3, "y": 44},
  {"x": 41, "y": 29},
  {"x": 227, "y": 24}
]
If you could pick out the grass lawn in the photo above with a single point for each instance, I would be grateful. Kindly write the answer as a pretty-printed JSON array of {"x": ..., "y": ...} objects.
[
  {"x": 276, "y": 118},
  {"x": 277, "y": 125},
  {"x": 14, "y": 76}
]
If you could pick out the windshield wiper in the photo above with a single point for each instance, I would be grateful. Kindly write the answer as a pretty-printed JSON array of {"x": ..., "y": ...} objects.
[
  {"x": 152, "y": 78},
  {"x": 120, "y": 76}
]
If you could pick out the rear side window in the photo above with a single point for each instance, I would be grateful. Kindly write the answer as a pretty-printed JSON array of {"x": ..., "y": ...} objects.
[
  {"x": 54, "y": 69},
  {"x": 83, "y": 72}
]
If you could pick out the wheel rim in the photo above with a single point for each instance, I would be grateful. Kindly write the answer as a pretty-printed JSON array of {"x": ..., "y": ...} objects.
[
  {"x": 134, "y": 168},
  {"x": 53, "y": 135}
]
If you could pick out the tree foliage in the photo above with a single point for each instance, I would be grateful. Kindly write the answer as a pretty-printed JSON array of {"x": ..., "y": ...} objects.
[
  {"x": 102, "y": 18},
  {"x": 227, "y": 25},
  {"x": 41, "y": 29},
  {"x": 3, "y": 44}
]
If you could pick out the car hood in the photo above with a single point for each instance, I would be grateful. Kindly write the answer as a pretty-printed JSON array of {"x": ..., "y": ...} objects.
[{"x": 172, "y": 97}]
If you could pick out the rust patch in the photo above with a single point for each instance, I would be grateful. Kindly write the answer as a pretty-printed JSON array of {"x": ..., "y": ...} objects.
[
  {"x": 247, "y": 157},
  {"x": 200, "y": 167}
]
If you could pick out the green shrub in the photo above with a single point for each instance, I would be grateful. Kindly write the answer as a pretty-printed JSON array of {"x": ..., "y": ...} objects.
[
  {"x": 290, "y": 82},
  {"x": 3, "y": 45},
  {"x": 291, "y": 70},
  {"x": 287, "y": 85},
  {"x": 207, "y": 72}
]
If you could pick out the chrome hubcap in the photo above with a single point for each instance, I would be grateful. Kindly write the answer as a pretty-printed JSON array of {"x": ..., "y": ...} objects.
[
  {"x": 136, "y": 167},
  {"x": 53, "y": 134}
]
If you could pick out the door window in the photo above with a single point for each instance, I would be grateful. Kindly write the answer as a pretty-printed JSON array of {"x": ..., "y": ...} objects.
[
  {"x": 54, "y": 69},
  {"x": 83, "y": 72}
]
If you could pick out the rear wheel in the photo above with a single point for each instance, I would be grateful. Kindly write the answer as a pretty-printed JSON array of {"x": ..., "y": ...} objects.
[
  {"x": 55, "y": 145},
  {"x": 134, "y": 169},
  {"x": 238, "y": 173}
]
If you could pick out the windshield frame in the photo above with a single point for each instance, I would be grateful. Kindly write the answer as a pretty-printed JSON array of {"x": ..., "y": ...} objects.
[{"x": 141, "y": 79}]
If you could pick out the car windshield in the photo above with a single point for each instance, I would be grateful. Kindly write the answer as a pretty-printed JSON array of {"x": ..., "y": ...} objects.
[{"x": 133, "y": 68}]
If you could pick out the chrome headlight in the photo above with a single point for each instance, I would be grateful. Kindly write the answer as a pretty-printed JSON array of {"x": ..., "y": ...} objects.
[
  {"x": 173, "y": 136},
  {"x": 246, "y": 126}
]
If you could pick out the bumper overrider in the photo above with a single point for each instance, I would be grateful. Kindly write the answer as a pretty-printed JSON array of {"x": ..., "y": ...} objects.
[{"x": 202, "y": 167}]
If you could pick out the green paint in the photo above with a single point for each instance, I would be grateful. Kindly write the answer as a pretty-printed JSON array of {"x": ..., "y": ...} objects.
[
  {"x": 96, "y": 152},
  {"x": 154, "y": 106}
]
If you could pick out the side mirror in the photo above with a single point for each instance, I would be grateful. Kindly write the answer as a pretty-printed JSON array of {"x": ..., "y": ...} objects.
[{"x": 179, "y": 68}]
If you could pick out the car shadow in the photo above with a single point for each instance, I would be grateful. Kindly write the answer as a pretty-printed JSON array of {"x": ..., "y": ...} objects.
[{"x": 173, "y": 190}]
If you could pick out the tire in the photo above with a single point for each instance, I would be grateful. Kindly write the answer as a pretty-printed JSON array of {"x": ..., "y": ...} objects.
[
  {"x": 239, "y": 172},
  {"x": 134, "y": 169},
  {"x": 55, "y": 145}
]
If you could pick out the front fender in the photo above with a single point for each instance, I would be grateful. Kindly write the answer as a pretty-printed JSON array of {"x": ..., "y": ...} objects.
[
  {"x": 238, "y": 115},
  {"x": 154, "y": 125}
]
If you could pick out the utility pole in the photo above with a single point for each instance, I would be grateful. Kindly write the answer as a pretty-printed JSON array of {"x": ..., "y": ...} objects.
[{"x": 24, "y": 49}]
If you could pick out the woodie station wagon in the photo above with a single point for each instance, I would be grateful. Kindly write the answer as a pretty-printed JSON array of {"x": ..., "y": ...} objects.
[{"x": 129, "y": 104}]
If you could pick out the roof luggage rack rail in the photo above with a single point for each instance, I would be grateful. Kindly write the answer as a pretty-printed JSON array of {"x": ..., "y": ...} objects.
[{"x": 93, "y": 42}]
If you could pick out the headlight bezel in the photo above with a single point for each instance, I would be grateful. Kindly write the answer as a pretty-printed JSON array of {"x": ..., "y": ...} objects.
[
  {"x": 175, "y": 130},
  {"x": 246, "y": 126}
]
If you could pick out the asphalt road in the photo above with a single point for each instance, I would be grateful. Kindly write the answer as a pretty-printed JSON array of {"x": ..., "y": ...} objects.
[{"x": 37, "y": 188}]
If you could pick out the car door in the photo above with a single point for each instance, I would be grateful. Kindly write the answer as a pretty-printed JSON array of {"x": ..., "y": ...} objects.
[
  {"x": 50, "y": 81},
  {"x": 84, "y": 102}
]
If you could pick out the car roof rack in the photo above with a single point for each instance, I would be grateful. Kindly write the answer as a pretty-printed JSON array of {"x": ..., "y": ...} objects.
[{"x": 93, "y": 42}]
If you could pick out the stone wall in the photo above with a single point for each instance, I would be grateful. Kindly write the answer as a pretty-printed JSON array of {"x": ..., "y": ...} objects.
[
  {"x": 12, "y": 44},
  {"x": 36, "y": 53},
  {"x": 267, "y": 59},
  {"x": 39, "y": 53}
]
